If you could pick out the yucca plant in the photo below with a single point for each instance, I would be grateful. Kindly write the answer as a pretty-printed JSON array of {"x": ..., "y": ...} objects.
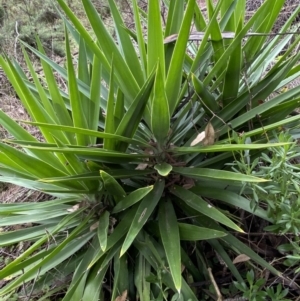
[{"x": 136, "y": 150}]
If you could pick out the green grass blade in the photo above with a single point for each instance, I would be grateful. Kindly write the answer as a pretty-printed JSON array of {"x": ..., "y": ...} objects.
[
  {"x": 144, "y": 211},
  {"x": 58, "y": 103},
  {"x": 216, "y": 35},
  {"x": 30, "y": 163},
  {"x": 199, "y": 173},
  {"x": 155, "y": 37},
  {"x": 160, "y": 116},
  {"x": 132, "y": 199},
  {"x": 110, "y": 118},
  {"x": 169, "y": 233},
  {"x": 194, "y": 233},
  {"x": 133, "y": 116},
  {"x": 126, "y": 45},
  {"x": 79, "y": 119},
  {"x": 87, "y": 132},
  {"x": 102, "y": 231},
  {"x": 232, "y": 199},
  {"x": 174, "y": 75},
  {"x": 119, "y": 108},
  {"x": 233, "y": 73},
  {"x": 112, "y": 186},
  {"x": 203, "y": 207},
  {"x": 209, "y": 102},
  {"x": 126, "y": 79},
  {"x": 264, "y": 21},
  {"x": 95, "y": 92}
]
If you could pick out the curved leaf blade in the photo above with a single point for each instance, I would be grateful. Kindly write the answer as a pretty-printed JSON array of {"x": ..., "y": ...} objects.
[
  {"x": 196, "y": 202},
  {"x": 193, "y": 233},
  {"x": 102, "y": 230},
  {"x": 144, "y": 211},
  {"x": 199, "y": 173},
  {"x": 169, "y": 233}
]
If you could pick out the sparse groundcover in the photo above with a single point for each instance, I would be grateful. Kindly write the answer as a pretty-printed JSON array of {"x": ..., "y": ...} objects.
[{"x": 156, "y": 156}]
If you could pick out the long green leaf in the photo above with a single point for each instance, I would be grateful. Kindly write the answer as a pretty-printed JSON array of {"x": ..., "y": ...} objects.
[
  {"x": 169, "y": 233},
  {"x": 174, "y": 76},
  {"x": 132, "y": 199},
  {"x": 144, "y": 211},
  {"x": 103, "y": 229},
  {"x": 155, "y": 37},
  {"x": 196, "y": 202},
  {"x": 199, "y": 173},
  {"x": 193, "y": 233},
  {"x": 79, "y": 119},
  {"x": 160, "y": 116}
]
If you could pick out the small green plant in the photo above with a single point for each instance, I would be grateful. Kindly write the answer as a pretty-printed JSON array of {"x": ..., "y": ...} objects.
[
  {"x": 254, "y": 290},
  {"x": 281, "y": 194}
]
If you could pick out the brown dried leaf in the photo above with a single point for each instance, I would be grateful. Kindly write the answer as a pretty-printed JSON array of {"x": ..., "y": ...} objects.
[
  {"x": 198, "y": 139},
  {"x": 123, "y": 297},
  {"x": 241, "y": 258},
  {"x": 74, "y": 208},
  {"x": 209, "y": 135},
  {"x": 141, "y": 166},
  {"x": 94, "y": 226}
]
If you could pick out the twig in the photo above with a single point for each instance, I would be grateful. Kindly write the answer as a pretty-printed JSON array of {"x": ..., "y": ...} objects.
[
  {"x": 16, "y": 39},
  {"x": 199, "y": 35},
  {"x": 212, "y": 279}
]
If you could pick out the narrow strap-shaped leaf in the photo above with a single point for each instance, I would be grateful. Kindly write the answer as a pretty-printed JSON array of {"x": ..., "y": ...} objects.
[
  {"x": 264, "y": 21},
  {"x": 110, "y": 118},
  {"x": 196, "y": 202},
  {"x": 119, "y": 108},
  {"x": 123, "y": 73},
  {"x": 216, "y": 36},
  {"x": 112, "y": 186},
  {"x": 79, "y": 119},
  {"x": 87, "y": 132},
  {"x": 156, "y": 53},
  {"x": 94, "y": 283},
  {"x": 140, "y": 38},
  {"x": 169, "y": 233},
  {"x": 114, "y": 238},
  {"x": 209, "y": 102},
  {"x": 58, "y": 103},
  {"x": 121, "y": 277},
  {"x": 126, "y": 45},
  {"x": 45, "y": 262},
  {"x": 233, "y": 73},
  {"x": 144, "y": 211},
  {"x": 133, "y": 116},
  {"x": 84, "y": 69},
  {"x": 73, "y": 165},
  {"x": 30, "y": 163},
  {"x": 194, "y": 233},
  {"x": 42, "y": 94},
  {"x": 102, "y": 231},
  {"x": 174, "y": 76},
  {"x": 225, "y": 147},
  {"x": 199, "y": 173},
  {"x": 123, "y": 78},
  {"x": 142, "y": 270},
  {"x": 230, "y": 198},
  {"x": 132, "y": 199},
  {"x": 95, "y": 95},
  {"x": 160, "y": 116},
  {"x": 175, "y": 16},
  {"x": 19, "y": 133}
]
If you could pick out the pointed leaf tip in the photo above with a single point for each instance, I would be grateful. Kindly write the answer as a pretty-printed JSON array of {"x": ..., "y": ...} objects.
[{"x": 163, "y": 168}]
